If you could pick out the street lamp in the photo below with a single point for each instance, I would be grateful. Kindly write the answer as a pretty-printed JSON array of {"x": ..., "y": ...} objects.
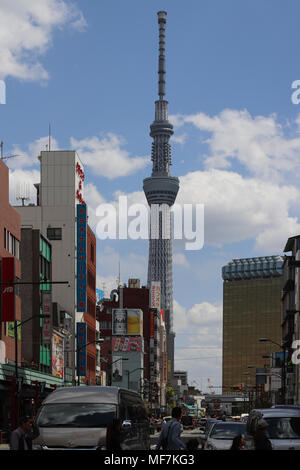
[{"x": 283, "y": 377}]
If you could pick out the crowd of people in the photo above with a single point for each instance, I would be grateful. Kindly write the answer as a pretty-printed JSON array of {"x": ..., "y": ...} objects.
[{"x": 169, "y": 438}]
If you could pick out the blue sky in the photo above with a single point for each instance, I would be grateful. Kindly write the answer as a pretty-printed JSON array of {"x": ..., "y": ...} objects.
[{"x": 90, "y": 69}]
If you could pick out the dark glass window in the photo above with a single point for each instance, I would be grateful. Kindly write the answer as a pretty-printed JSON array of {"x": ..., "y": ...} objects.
[
  {"x": 283, "y": 428},
  {"x": 54, "y": 233},
  {"x": 76, "y": 415}
]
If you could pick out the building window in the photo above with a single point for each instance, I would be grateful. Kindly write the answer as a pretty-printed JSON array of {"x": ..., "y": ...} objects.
[
  {"x": 91, "y": 280},
  {"x": 11, "y": 244},
  {"x": 92, "y": 253},
  {"x": 54, "y": 233}
]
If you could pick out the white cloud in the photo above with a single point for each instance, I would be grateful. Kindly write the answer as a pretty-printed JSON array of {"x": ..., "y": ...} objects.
[
  {"x": 26, "y": 30},
  {"x": 199, "y": 341},
  {"x": 131, "y": 264},
  {"x": 237, "y": 208},
  {"x": 180, "y": 259},
  {"x": 106, "y": 157},
  {"x": 259, "y": 143},
  {"x": 29, "y": 158},
  {"x": 179, "y": 139}
]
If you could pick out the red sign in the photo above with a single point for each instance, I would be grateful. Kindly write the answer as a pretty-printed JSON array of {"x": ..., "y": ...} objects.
[{"x": 8, "y": 290}]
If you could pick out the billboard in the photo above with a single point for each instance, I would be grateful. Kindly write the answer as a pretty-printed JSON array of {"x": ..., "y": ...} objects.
[
  {"x": 81, "y": 348},
  {"x": 155, "y": 295},
  {"x": 57, "y": 355},
  {"x": 47, "y": 310},
  {"x": 127, "y": 344},
  {"x": 127, "y": 322},
  {"x": 8, "y": 290},
  {"x": 99, "y": 296},
  {"x": 81, "y": 257}
]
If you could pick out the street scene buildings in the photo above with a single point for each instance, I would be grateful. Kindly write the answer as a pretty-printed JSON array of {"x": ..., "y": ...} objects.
[{"x": 213, "y": 331}]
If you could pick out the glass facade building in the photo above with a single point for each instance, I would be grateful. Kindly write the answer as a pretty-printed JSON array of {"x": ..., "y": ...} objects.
[{"x": 251, "y": 310}]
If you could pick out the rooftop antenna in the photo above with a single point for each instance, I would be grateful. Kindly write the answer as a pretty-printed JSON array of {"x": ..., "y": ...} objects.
[
  {"x": 7, "y": 156},
  {"x": 119, "y": 277},
  {"x": 23, "y": 193}
]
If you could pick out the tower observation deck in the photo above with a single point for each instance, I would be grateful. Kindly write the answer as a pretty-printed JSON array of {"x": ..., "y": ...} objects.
[{"x": 161, "y": 190}]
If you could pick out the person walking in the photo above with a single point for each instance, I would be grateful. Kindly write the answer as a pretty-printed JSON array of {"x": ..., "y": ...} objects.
[
  {"x": 238, "y": 443},
  {"x": 169, "y": 438},
  {"x": 113, "y": 435},
  {"x": 261, "y": 441},
  {"x": 19, "y": 439}
]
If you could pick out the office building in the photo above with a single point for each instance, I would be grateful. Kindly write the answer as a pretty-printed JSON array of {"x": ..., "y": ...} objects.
[{"x": 251, "y": 310}]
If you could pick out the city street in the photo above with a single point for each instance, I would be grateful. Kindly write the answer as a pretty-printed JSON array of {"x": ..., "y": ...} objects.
[{"x": 186, "y": 435}]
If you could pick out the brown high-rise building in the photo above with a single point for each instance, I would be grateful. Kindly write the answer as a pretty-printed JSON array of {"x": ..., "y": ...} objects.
[{"x": 251, "y": 310}]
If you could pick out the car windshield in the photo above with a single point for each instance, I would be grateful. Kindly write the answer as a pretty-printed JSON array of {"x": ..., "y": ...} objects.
[
  {"x": 227, "y": 430},
  {"x": 283, "y": 428},
  {"x": 76, "y": 415}
]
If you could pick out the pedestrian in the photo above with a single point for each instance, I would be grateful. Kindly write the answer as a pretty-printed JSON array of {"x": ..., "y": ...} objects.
[
  {"x": 192, "y": 445},
  {"x": 169, "y": 438},
  {"x": 113, "y": 435},
  {"x": 261, "y": 441},
  {"x": 20, "y": 437},
  {"x": 238, "y": 443}
]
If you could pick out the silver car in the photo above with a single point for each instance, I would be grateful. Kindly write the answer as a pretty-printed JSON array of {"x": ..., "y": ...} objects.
[
  {"x": 222, "y": 433},
  {"x": 283, "y": 428}
]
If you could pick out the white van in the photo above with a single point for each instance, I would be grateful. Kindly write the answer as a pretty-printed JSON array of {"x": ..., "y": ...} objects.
[
  {"x": 283, "y": 427},
  {"x": 77, "y": 418}
]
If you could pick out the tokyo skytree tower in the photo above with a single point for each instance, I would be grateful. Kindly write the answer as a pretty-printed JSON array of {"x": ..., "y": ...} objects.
[{"x": 161, "y": 190}]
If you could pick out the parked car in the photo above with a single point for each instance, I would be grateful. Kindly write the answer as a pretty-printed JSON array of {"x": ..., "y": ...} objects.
[
  {"x": 283, "y": 427},
  {"x": 204, "y": 432},
  {"x": 222, "y": 433},
  {"x": 77, "y": 418}
]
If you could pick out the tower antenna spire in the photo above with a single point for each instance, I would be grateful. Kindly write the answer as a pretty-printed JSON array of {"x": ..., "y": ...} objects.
[{"x": 162, "y": 19}]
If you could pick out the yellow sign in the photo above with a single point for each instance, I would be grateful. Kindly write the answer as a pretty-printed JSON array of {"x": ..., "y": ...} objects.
[{"x": 11, "y": 330}]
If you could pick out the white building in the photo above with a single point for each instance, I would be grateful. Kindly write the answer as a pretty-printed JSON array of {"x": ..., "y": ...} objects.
[{"x": 60, "y": 190}]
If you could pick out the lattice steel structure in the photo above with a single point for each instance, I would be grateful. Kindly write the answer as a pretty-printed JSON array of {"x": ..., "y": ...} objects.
[{"x": 161, "y": 190}]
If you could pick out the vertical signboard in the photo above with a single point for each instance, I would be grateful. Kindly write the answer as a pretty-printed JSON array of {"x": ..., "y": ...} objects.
[
  {"x": 155, "y": 295},
  {"x": 58, "y": 355},
  {"x": 152, "y": 322},
  {"x": 99, "y": 296},
  {"x": 46, "y": 308},
  {"x": 8, "y": 290},
  {"x": 81, "y": 257},
  {"x": 81, "y": 349}
]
